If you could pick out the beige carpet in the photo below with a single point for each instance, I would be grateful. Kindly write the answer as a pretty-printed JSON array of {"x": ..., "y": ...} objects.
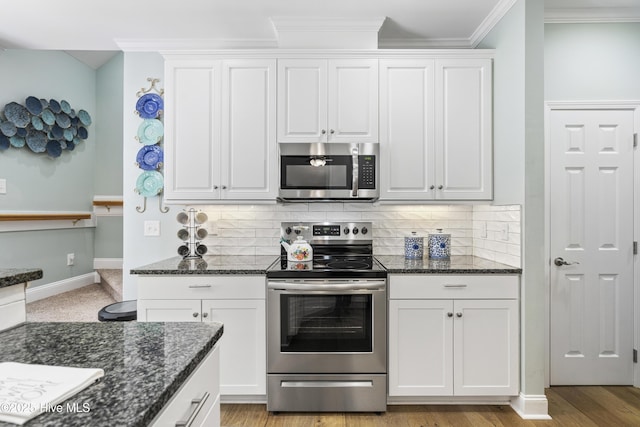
[{"x": 79, "y": 305}]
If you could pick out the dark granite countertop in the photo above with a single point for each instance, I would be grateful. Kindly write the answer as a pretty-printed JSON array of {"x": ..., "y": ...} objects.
[
  {"x": 144, "y": 365},
  {"x": 213, "y": 264},
  {"x": 456, "y": 265},
  {"x": 13, "y": 276}
]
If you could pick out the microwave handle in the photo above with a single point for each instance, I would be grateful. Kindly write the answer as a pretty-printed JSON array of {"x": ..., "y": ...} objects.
[{"x": 354, "y": 184}]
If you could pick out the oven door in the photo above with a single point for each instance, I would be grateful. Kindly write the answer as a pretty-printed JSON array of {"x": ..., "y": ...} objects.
[{"x": 326, "y": 326}]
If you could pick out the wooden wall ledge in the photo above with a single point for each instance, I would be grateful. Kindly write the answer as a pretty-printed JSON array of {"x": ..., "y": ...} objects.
[
  {"x": 107, "y": 203},
  {"x": 75, "y": 217}
]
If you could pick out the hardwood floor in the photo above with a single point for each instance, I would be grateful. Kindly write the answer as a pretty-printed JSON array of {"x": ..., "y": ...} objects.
[{"x": 568, "y": 406}]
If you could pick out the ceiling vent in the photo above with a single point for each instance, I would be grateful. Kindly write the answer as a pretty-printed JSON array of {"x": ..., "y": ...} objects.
[{"x": 327, "y": 33}]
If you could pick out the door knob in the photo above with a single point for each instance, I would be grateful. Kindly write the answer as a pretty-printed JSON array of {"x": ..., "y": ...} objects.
[{"x": 560, "y": 262}]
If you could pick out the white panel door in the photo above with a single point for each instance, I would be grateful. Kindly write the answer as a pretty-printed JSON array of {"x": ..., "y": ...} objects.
[
  {"x": 243, "y": 354},
  {"x": 155, "y": 310},
  {"x": 353, "y": 100},
  {"x": 249, "y": 154},
  {"x": 420, "y": 348},
  {"x": 464, "y": 129},
  {"x": 302, "y": 100},
  {"x": 407, "y": 129},
  {"x": 591, "y": 205},
  {"x": 192, "y": 129},
  {"x": 486, "y": 347}
]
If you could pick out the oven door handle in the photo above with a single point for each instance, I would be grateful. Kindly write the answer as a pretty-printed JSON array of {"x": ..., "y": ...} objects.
[{"x": 365, "y": 286}]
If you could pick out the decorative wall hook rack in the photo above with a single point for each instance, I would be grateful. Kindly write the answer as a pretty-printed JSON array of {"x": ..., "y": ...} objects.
[{"x": 153, "y": 82}]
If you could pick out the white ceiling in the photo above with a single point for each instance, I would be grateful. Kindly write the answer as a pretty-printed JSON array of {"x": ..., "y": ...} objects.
[{"x": 86, "y": 26}]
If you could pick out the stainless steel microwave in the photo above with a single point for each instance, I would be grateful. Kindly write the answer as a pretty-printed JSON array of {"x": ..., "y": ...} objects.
[{"x": 329, "y": 171}]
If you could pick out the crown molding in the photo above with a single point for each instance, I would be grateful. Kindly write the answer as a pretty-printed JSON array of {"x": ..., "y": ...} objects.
[
  {"x": 422, "y": 43},
  {"x": 491, "y": 20},
  {"x": 156, "y": 45},
  {"x": 592, "y": 15},
  {"x": 310, "y": 24}
]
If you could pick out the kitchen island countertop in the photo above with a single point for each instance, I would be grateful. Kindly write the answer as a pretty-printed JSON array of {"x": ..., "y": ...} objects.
[
  {"x": 461, "y": 264},
  {"x": 212, "y": 264},
  {"x": 144, "y": 364},
  {"x": 14, "y": 276}
]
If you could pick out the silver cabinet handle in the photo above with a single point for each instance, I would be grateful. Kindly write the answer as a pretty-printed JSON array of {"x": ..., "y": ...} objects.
[
  {"x": 432, "y": 187},
  {"x": 440, "y": 187},
  {"x": 560, "y": 262},
  {"x": 224, "y": 187},
  {"x": 195, "y": 314},
  {"x": 458, "y": 314},
  {"x": 449, "y": 314},
  {"x": 197, "y": 405},
  {"x": 323, "y": 131},
  {"x": 205, "y": 314},
  {"x": 215, "y": 187},
  {"x": 332, "y": 131},
  {"x": 455, "y": 286},
  {"x": 199, "y": 286}
]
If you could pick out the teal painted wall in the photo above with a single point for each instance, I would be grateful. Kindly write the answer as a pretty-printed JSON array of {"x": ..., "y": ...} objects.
[
  {"x": 592, "y": 62},
  {"x": 108, "y": 167},
  {"x": 38, "y": 183}
]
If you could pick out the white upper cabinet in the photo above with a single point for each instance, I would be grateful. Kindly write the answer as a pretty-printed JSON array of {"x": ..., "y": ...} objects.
[
  {"x": 464, "y": 155},
  {"x": 332, "y": 100},
  {"x": 407, "y": 129},
  {"x": 249, "y": 157},
  {"x": 435, "y": 129},
  {"x": 220, "y": 130},
  {"x": 192, "y": 129}
]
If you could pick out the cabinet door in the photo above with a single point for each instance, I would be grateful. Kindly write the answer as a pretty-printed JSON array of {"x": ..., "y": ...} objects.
[
  {"x": 407, "y": 129},
  {"x": 192, "y": 130},
  {"x": 420, "y": 348},
  {"x": 463, "y": 129},
  {"x": 243, "y": 368},
  {"x": 302, "y": 100},
  {"x": 486, "y": 353},
  {"x": 353, "y": 100},
  {"x": 155, "y": 310},
  {"x": 249, "y": 153}
]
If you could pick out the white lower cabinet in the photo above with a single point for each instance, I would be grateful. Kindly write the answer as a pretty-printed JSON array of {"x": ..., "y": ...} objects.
[
  {"x": 453, "y": 335},
  {"x": 12, "y": 306},
  {"x": 197, "y": 402},
  {"x": 237, "y": 301}
]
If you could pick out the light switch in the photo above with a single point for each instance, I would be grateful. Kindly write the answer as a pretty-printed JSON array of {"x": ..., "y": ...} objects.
[
  {"x": 152, "y": 228},
  {"x": 3, "y": 186}
]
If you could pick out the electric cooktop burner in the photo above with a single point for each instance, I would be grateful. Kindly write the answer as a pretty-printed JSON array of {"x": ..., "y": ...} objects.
[{"x": 340, "y": 250}]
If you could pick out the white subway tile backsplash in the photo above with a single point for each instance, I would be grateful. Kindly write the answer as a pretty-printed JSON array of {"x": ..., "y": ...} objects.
[{"x": 258, "y": 226}]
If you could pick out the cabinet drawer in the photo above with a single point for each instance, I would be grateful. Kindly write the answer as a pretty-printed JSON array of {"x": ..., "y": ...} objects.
[
  {"x": 204, "y": 381},
  {"x": 201, "y": 287},
  {"x": 453, "y": 286}
]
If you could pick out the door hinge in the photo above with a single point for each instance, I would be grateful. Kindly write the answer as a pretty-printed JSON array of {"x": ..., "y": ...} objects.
[
  {"x": 635, "y": 248},
  {"x": 635, "y": 140},
  {"x": 635, "y": 356}
]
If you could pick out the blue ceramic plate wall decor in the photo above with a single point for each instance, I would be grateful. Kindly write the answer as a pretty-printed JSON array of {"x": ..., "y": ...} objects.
[
  {"x": 149, "y": 105},
  {"x": 150, "y": 131},
  {"x": 149, "y": 183},
  {"x": 8, "y": 129},
  {"x": 54, "y": 106},
  {"x": 4, "y": 142},
  {"x": 150, "y": 157},
  {"x": 84, "y": 117},
  {"x": 17, "y": 114},
  {"x": 33, "y": 104},
  {"x": 54, "y": 149},
  {"x": 65, "y": 107}
]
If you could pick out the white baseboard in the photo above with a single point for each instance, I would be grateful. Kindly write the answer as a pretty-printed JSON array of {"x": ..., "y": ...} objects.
[
  {"x": 107, "y": 263},
  {"x": 55, "y": 288},
  {"x": 531, "y": 407}
]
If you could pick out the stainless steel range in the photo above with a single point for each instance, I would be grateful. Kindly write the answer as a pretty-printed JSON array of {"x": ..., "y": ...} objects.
[{"x": 326, "y": 323}]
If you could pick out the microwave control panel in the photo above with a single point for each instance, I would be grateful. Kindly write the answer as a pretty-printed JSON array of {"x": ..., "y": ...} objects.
[{"x": 367, "y": 172}]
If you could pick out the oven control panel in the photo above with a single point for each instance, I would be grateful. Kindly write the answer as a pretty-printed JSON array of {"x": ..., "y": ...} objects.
[{"x": 326, "y": 230}]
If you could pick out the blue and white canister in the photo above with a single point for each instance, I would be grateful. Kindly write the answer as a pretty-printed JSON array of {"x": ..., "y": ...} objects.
[
  {"x": 414, "y": 246},
  {"x": 439, "y": 245}
]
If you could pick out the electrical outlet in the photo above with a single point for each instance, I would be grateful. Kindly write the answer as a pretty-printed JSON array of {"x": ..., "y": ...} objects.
[
  {"x": 152, "y": 228},
  {"x": 71, "y": 258},
  {"x": 504, "y": 231},
  {"x": 3, "y": 186}
]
